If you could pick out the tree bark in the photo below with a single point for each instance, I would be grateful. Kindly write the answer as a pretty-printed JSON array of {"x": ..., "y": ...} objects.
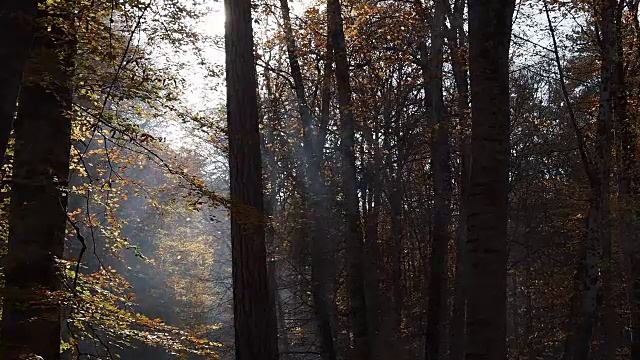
[
  {"x": 458, "y": 45},
  {"x": 397, "y": 233},
  {"x": 628, "y": 192},
  {"x": 374, "y": 262},
  {"x": 354, "y": 241},
  {"x": 31, "y": 310},
  {"x": 489, "y": 40},
  {"x": 584, "y": 300},
  {"x": 271, "y": 206},
  {"x": 16, "y": 37},
  {"x": 254, "y": 319},
  {"x": 604, "y": 147},
  {"x": 596, "y": 267},
  {"x": 441, "y": 179}
]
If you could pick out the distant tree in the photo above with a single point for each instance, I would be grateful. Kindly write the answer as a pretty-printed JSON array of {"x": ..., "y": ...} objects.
[
  {"x": 321, "y": 245},
  {"x": 596, "y": 262},
  {"x": 349, "y": 182},
  {"x": 254, "y": 318}
]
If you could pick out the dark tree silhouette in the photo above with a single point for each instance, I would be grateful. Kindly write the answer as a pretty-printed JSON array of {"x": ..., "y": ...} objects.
[
  {"x": 254, "y": 318},
  {"x": 31, "y": 312},
  {"x": 353, "y": 236},
  {"x": 16, "y": 36},
  {"x": 441, "y": 178},
  {"x": 489, "y": 39}
]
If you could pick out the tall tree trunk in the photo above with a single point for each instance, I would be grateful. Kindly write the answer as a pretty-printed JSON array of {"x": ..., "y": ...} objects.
[
  {"x": 390, "y": 181},
  {"x": 283, "y": 340},
  {"x": 604, "y": 143},
  {"x": 298, "y": 82},
  {"x": 31, "y": 314},
  {"x": 628, "y": 192},
  {"x": 597, "y": 257},
  {"x": 354, "y": 241},
  {"x": 254, "y": 319},
  {"x": 276, "y": 303},
  {"x": 441, "y": 179},
  {"x": 393, "y": 178},
  {"x": 321, "y": 245},
  {"x": 16, "y": 37},
  {"x": 583, "y": 301},
  {"x": 373, "y": 262},
  {"x": 489, "y": 40},
  {"x": 395, "y": 205},
  {"x": 458, "y": 46},
  {"x": 271, "y": 206}
]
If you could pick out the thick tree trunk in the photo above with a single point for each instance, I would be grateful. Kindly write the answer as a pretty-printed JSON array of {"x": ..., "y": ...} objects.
[
  {"x": 316, "y": 209},
  {"x": 254, "y": 319},
  {"x": 354, "y": 241},
  {"x": 441, "y": 179},
  {"x": 16, "y": 37},
  {"x": 489, "y": 39},
  {"x": 31, "y": 314}
]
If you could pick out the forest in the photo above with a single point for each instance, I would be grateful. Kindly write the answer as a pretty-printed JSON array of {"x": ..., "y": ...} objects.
[{"x": 319, "y": 179}]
